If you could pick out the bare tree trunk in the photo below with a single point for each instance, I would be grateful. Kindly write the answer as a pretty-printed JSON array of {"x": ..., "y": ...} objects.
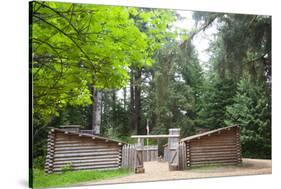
[
  {"x": 125, "y": 98},
  {"x": 137, "y": 113},
  {"x": 132, "y": 101},
  {"x": 96, "y": 117},
  {"x": 114, "y": 116}
]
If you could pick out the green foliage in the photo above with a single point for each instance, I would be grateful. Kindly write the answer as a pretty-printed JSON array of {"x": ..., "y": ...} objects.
[
  {"x": 38, "y": 162},
  {"x": 77, "y": 45},
  {"x": 75, "y": 115},
  {"x": 252, "y": 111},
  {"x": 240, "y": 56},
  {"x": 115, "y": 116},
  {"x": 242, "y": 44},
  {"x": 67, "y": 167},
  {"x": 42, "y": 180},
  {"x": 174, "y": 90},
  {"x": 217, "y": 96}
]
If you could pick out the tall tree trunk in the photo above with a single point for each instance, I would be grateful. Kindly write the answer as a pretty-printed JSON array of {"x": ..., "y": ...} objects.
[
  {"x": 132, "y": 101},
  {"x": 125, "y": 97},
  {"x": 96, "y": 117},
  {"x": 114, "y": 117},
  {"x": 137, "y": 113}
]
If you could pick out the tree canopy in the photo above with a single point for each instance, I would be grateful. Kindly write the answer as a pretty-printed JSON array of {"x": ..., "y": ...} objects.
[
  {"x": 148, "y": 72},
  {"x": 77, "y": 45}
]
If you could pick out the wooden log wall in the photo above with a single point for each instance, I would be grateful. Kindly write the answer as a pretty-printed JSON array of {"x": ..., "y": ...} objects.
[
  {"x": 50, "y": 152},
  {"x": 222, "y": 147},
  {"x": 80, "y": 153}
]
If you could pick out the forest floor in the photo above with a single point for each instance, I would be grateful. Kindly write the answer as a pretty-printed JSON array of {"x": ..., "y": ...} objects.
[{"x": 159, "y": 171}]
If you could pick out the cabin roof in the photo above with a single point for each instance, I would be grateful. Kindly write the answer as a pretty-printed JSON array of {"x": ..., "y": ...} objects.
[
  {"x": 87, "y": 135},
  {"x": 207, "y": 133}
]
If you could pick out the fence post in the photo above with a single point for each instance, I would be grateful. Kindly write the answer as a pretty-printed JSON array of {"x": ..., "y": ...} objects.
[
  {"x": 182, "y": 156},
  {"x": 173, "y": 147},
  {"x": 139, "y": 156}
]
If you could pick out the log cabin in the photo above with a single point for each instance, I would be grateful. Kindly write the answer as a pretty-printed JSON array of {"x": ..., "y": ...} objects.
[
  {"x": 219, "y": 146},
  {"x": 68, "y": 147}
]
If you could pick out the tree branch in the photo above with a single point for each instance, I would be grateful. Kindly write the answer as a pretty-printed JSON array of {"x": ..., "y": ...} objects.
[
  {"x": 61, "y": 15},
  {"x": 76, "y": 44},
  {"x": 203, "y": 28}
]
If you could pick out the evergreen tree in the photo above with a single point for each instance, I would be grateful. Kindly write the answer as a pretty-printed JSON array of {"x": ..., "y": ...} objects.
[
  {"x": 218, "y": 95},
  {"x": 175, "y": 89},
  {"x": 252, "y": 111}
]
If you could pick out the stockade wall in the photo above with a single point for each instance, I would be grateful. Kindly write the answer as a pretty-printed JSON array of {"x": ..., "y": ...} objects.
[
  {"x": 222, "y": 147},
  {"x": 129, "y": 156},
  {"x": 81, "y": 152},
  {"x": 150, "y": 153}
]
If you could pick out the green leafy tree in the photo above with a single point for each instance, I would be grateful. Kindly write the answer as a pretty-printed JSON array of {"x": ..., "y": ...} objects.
[
  {"x": 77, "y": 45},
  {"x": 156, "y": 23},
  {"x": 76, "y": 48}
]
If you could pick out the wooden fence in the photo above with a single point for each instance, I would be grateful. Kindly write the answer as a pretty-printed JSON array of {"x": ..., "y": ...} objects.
[
  {"x": 129, "y": 154},
  {"x": 150, "y": 153}
]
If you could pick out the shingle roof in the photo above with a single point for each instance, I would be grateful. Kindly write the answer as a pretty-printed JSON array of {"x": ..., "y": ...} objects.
[
  {"x": 207, "y": 133},
  {"x": 86, "y": 135}
]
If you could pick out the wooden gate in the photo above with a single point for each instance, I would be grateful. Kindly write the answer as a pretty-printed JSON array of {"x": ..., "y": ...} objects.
[
  {"x": 150, "y": 153},
  {"x": 132, "y": 156},
  {"x": 172, "y": 150},
  {"x": 173, "y": 147}
]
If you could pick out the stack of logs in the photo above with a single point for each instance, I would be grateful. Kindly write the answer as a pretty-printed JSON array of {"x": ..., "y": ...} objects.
[
  {"x": 80, "y": 152},
  {"x": 221, "y": 147},
  {"x": 50, "y": 152}
]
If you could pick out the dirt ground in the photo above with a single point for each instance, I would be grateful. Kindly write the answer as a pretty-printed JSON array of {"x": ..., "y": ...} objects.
[{"x": 159, "y": 171}]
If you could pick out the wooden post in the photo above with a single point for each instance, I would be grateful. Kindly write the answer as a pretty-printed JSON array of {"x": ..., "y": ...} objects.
[
  {"x": 173, "y": 147},
  {"x": 182, "y": 156},
  {"x": 139, "y": 156},
  {"x": 238, "y": 145},
  {"x": 188, "y": 154}
]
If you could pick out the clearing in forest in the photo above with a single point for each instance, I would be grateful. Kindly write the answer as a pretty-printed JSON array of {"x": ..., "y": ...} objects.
[{"x": 155, "y": 171}]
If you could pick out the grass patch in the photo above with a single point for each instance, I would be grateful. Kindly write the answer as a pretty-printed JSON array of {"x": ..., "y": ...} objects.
[{"x": 42, "y": 180}]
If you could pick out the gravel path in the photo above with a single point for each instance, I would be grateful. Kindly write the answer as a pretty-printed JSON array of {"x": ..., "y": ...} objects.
[{"x": 159, "y": 171}]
